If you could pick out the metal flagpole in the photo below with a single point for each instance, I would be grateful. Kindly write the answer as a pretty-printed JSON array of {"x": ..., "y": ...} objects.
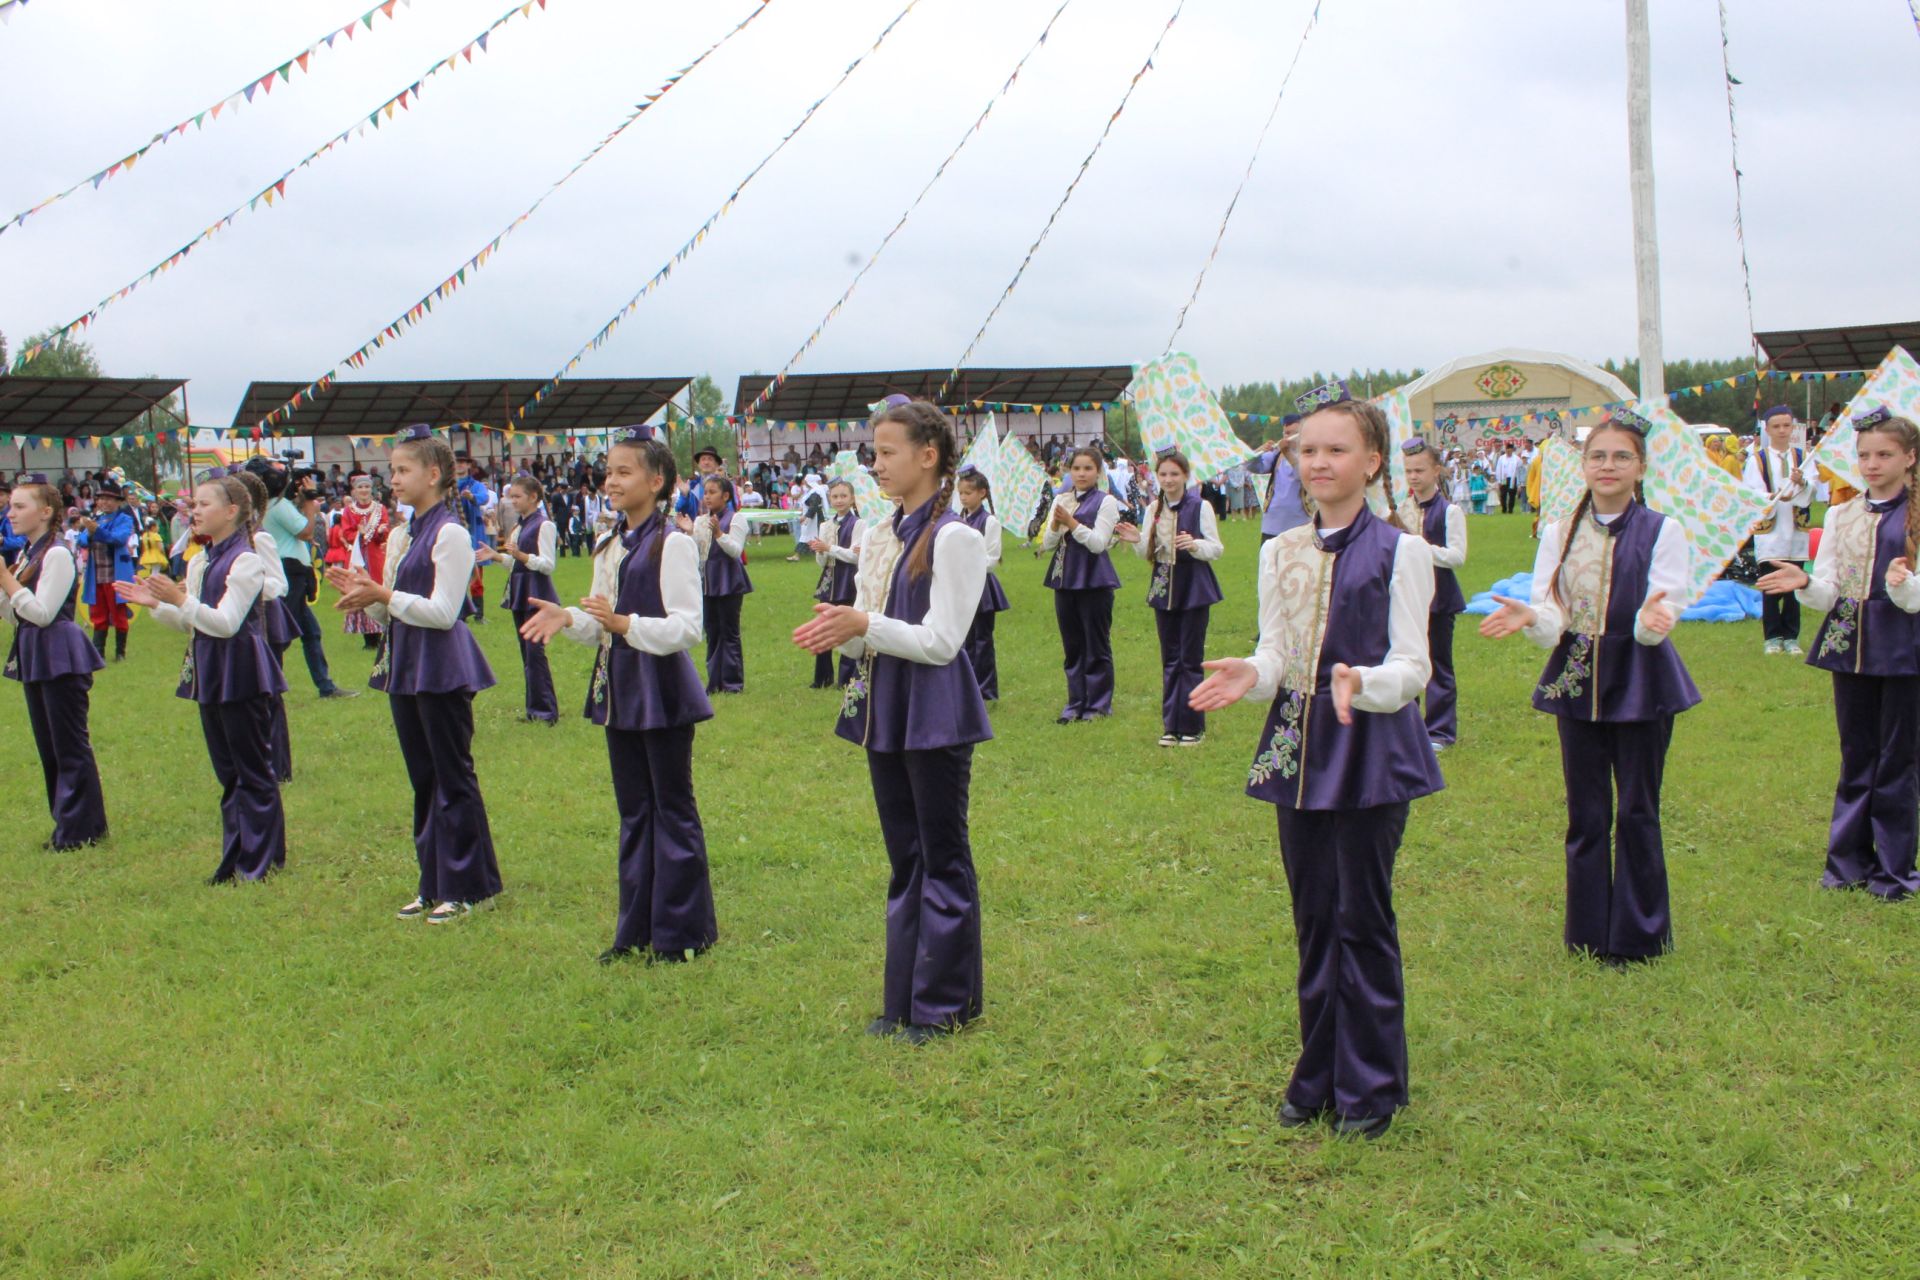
[{"x": 1646, "y": 242}]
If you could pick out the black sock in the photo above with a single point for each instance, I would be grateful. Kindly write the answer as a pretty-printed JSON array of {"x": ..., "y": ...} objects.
[{"x": 100, "y": 641}]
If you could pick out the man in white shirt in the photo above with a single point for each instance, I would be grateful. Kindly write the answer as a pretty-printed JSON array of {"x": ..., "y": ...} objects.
[
  {"x": 1506, "y": 473},
  {"x": 1776, "y": 469}
]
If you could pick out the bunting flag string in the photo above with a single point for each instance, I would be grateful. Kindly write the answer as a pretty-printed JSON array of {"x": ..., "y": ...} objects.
[
  {"x": 277, "y": 189},
  {"x": 1073, "y": 186},
  {"x": 259, "y": 85},
  {"x": 693, "y": 242},
  {"x": 423, "y": 306},
  {"x": 1913, "y": 7},
  {"x": 1259, "y": 142},
  {"x": 779, "y": 379},
  {"x": 6, "y": 10},
  {"x": 1739, "y": 203}
]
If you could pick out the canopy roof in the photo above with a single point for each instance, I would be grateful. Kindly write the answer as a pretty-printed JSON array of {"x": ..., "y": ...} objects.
[
  {"x": 77, "y": 408},
  {"x": 1842, "y": 350},
  {"x": 384, "y": 408},
  {"x": 1615, "y": 388},
  {"x": 814, "y": 397}
]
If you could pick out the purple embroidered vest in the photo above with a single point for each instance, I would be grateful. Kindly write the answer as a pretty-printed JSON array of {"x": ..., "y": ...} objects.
[
  {"x": 1187, "y": 583},
  {"x": 1612, "y": 676},
  {"x": 1073, "y": 567},
  {"x": 1874, "y": 636},
  {"x": 897, "y": 705},
  {"x": 524, "y": 586},
  {"x": 839, "y": 580},
  {"x": 1309, "y": 760},
  {"x": 993, "y": 596},
  {"x": 724, "y": 575},
  {"x": 416, "y": 660},
  {"x": 58, "y": 649},
  {"x": 1447, "y": 597},
  {"x": 239, "y": 666},
  {"x": 632, "y": 689}
]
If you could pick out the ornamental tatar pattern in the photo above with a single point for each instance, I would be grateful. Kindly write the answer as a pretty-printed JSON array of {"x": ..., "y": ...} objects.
[
  {"x": 1571, "y": 682},
  {"x": 1582, "y": 581},
  {"x": 1282, "y": 755}
]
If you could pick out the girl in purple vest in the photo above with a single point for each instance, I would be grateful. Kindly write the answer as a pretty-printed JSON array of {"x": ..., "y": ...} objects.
[
  {"x": 916, "y": 708},
  {"x": 1614, "y": 683},
  {"x": 1343, "y": 656},
  {"x": 54, "y": 663},
  {"x": 837, "y": 552},
  {"x": 721, "y": 535},
  {"x": 1863, "y": 577},
  {"x": 230, "y": 673},
  {"x": 976, "y": 499},
  {"x": 643, "y": 615},
  {"x": 531, "y": 552},
  {"x": 1181, "y": 542},
  {"x": 1082, "y": 579},
  {"x": 430, "y": 667},
  {"x": 1444, "y": 526},
  {"x": 276, "y": 623}
]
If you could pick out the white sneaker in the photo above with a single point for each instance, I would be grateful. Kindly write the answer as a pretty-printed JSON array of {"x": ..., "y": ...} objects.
[
  {"x": 1773, "y": 646},
  {"x": 414, "y": 910},
  {"x": 1792, "y": 647},
  {"x": 1191, "y": 739},
  {"x": 448, "y": 912},
  {"x": 1169, "y": 740}
]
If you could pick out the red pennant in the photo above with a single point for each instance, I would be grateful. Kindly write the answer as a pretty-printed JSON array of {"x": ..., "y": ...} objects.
[{"x": 302, "y": 59}]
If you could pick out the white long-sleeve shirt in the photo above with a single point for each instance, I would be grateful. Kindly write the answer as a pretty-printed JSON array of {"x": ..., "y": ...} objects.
[
  {"x": 1095, "y": 537},
  {"x": 1822, "y": 591},
  {"x": 730, "y": 534},
  {"x": 993, "y": 536},
  {"x": 452, "y": 571},
  {"x": 849, "y": 554},
  {"x": 1783, "y": 541},
  {"x": 959, "y": 576},
  {"x": 246, "y": 579},
  {"x": 1206, "y": 544},
  {"x": 1403, "y": 674},
  {"x": 39, "y": 604},
  {"x": 680, "y": 595},
  {"x": 1671, "y": 571},
  {"x": 275, "y": 586},
  {"x": 1454, "y": 553},
  {"x": 542, "y": 558}
]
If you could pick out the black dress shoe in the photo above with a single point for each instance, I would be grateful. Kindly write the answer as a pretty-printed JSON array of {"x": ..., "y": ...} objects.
[
  {"x": 341, "y": 693},
  {"x": 615, "y": 953},
  {"x": 1065, "y": 720},
  {"x": 1368, "y": 1127},
  {"x": 885, "y": 1027},
  {"x": 918, "y": 1033},
  {"x": 1292, "y": 1117}
]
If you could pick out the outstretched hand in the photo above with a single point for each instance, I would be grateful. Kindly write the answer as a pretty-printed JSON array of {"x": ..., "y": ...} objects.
[
  {"x": 547, "y": 621},
  {"x": 1512, "y": 616},
  {"x": 1657, "y": 616},
  {"x": 1127, "y": 531},
  {"x": 1231, "y": 680},
  {"x": 1899, "y": 571},
  {"x": 1784, "y": 578},
  {"x": 357, "y": 589},
  {"x": 601, "y": 610},
  {"x": 831, "y": 626}
]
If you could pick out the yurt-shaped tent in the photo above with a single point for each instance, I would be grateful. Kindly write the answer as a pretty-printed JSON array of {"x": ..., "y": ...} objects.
[{"x": 1487, "y": 397}]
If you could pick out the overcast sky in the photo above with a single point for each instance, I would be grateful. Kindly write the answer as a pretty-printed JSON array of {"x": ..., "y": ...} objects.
[{"x": 1445, "y": 176}]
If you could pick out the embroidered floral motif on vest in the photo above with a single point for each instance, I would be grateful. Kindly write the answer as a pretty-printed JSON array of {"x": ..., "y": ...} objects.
[{"x": 1583, "y": 580}]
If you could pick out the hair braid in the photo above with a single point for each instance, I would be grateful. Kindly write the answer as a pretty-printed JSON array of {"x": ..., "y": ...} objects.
[
  {"x": 1913, "y": 495},
  {"x": 920, "y": 563},
  {"x": 1580, "y": 509}
]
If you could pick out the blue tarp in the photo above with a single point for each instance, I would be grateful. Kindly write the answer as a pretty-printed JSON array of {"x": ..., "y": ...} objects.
[{"x": 1723, "y": 602}]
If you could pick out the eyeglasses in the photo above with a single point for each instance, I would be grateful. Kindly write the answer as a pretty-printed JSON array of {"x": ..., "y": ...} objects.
[{"x": 1625, "y": 458}]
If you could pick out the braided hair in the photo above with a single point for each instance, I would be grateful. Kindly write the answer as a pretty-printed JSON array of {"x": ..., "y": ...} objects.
[
  {"x": 1179, "y": 460},
  {"x": 926, "y": 425},
  {"x": 974, "y": 478},
  {"x": 49, "y": 497},
  {"x": 1582, "y": 507},
  {"x": 256, "y": 494},
  {"x": 1906, "y": 437},
  {"x": 432, "y": 451}
]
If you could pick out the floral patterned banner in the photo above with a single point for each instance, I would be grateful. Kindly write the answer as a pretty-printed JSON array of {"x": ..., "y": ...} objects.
[
  {"x": 1399, "y": 411},
  {"x": 1178, "y": 411},
  {"x": 873, "y": 505},
  {"x": 1560, "y": 479},
  {"x": 1717, "y": 511},
  {"x": 1895, "y": 384},
  {"x": 1016, "y": 493},
  {"x": 984, "y": 454}
]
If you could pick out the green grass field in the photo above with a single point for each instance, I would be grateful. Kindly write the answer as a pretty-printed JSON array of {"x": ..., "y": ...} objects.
[{"x": 283, "y": 1080}]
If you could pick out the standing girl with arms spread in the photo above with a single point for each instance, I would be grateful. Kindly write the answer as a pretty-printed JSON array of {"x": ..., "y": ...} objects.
[
  {"x": 643, "y": 615},
  {"x": 1614, "y": 683},
  {"x": 1863, "y": 577},
  {"x": 916, "y": 708},
  {"x": 1343, "y": 656},
  {"x": 837, "y": 551},
  {"x": 430, "y": 667},
  {"x": 1079, "y": 531},
  {"x": 53, "y": 662},
  {"x": 230, "y": 673},
  {"x": 976, "y": 501},
  {"x": 1181, "y": 542},
  {"x": 1428, "y": 513},
  {"x": 530, "y": 550}
]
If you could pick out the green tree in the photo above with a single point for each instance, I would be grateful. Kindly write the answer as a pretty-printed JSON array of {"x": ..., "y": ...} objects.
[
  {"x": 71, "y": 358},
  {"x": 685, "y": 437}
]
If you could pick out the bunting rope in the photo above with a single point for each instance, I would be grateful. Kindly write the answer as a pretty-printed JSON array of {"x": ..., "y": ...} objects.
[
  {"x": 197, "y": 121},
  {"x": 1259, "y": 142},
  {"x": 422, "y": 307},
  {"x": 278, "y": 187},
  {"x": 1913, "y": 7},
  {"x": 1046, "y": 230},
  {"x": 1739, "y": 215},
  {"x": 693, "y": 242},
  {"x": 779, "y": 379},
  {"x": 7, "y": 7}
]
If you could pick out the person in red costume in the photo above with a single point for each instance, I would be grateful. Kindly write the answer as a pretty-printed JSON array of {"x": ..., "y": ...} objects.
[{"x": 364, "y": 525}]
